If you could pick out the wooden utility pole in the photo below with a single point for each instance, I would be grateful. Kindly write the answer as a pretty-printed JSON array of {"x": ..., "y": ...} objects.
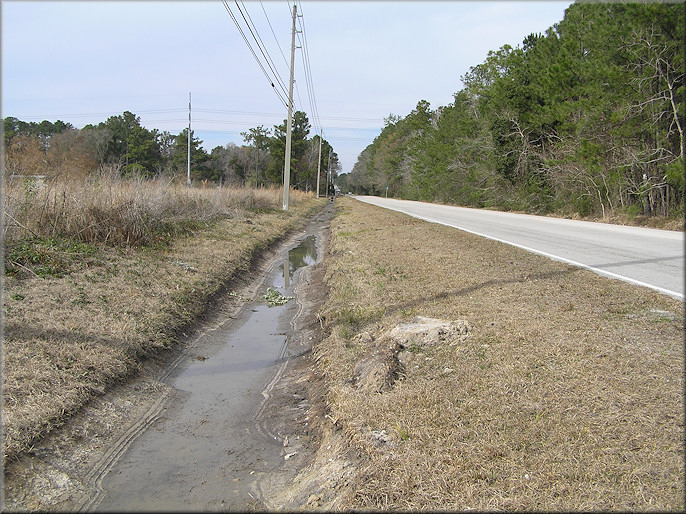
[
  {"x": 289, "y": 123},
  {"x": 328, "y": 175},
  {"x": 189, "y": 140},
  {"x": 319, "y": 161}
]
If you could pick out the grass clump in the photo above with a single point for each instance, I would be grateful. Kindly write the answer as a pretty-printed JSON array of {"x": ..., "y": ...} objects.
[
  {"x": 47, "y": 256},
  {"x": 119, "y": 212}
]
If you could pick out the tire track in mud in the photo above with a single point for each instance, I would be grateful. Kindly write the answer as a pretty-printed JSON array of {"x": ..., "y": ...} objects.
[
  {"x": 298, "y": 338},
  {"x": 104, "y": 465},
  {"x": 109, "y": 459}
]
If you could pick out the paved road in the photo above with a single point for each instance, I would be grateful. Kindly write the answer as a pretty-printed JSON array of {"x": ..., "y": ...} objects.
[{"x": 643, "y": 256}]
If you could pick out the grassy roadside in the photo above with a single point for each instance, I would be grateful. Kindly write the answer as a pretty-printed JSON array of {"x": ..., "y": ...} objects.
[
  {"x": 566, "y": 394},
  {"x": 80, "y": 315}
]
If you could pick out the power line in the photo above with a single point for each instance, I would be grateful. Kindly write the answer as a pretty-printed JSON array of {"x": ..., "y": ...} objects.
[
  {"x": 260, "y": 44},
  {"x": 274, "y": 34},
  {"x": 251, "y": 113},
  {"x": 247, "y": 42},
  {"x": 295, "y": 83},
  {"x": 197, "y": 109},
  {"x": 307, "y": 81},
  {"x": 93, "y": 114},
  {"x": 308, "y": 72},
  {"x": 306, "y": 52},
  {"x": 297, "y": 89}
]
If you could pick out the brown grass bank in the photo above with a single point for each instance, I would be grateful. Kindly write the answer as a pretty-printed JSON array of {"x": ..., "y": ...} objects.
[
  {"x": 102, "y": 274},
  {"x": 566, "y": 394}
]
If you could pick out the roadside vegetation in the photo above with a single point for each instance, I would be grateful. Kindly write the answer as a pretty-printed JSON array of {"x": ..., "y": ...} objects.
[
  {"x": 565, "y": 393},
  {"x": 586, "y": 119},
  {"x": 102, "y": 273},
  {"x": 58, "y": 150}
]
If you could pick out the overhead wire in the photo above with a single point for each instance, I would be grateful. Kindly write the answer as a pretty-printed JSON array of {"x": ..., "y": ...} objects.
[
  {"x": 308, "y": 74},
  {"x": 269, "y": 69},
  {"x": 223, "y": 116},
  {"x": 270, "y": 63},
  {"x": 274, "y": 34},
  {"x": 297, "y": 89},
  {"x": 307, "y": 83},
  {"x": 260, "y": 45},
  {"x": 259, "y": 63},
  {"x": 295, "y": 82}
]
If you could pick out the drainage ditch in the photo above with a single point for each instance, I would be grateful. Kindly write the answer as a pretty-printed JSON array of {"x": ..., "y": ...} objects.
[
  {"x": 204, "y": 450},
  {"x": 223, "y": 427}
]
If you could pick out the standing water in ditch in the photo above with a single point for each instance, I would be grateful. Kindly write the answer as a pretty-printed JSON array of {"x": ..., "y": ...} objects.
[{"x": 205, "y": 450}]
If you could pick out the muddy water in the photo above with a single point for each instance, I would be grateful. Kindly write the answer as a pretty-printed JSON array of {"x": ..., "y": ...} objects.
[{"x": 205, "y": 449}]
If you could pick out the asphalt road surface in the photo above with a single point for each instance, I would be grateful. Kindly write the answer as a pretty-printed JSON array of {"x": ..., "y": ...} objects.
[{"x": 642, "y": 256}]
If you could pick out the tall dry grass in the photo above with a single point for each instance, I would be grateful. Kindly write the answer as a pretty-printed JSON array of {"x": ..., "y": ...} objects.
[{"x": 129, "y": 212}]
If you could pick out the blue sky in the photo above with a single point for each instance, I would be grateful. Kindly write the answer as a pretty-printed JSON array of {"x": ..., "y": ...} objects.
[{"x": 84, "y": 61}]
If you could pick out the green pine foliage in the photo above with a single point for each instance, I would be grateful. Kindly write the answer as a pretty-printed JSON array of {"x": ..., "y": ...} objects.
[
  {"x": 122, "y": 143},
  {"x": 587, "y": 118}
]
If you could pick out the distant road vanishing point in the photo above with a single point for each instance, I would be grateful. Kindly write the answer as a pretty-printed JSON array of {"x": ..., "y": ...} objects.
[{"x": 643, "y": 256}]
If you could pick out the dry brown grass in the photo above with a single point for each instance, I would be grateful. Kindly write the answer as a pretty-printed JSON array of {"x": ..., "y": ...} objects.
[
  {"x": 566, "y": 395},
  {"x": 110, "y": 210},
  {"x": 103, "y": 308}
]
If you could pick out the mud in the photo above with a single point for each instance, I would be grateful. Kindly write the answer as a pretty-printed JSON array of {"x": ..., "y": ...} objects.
[{"x": 223, "y": 424}]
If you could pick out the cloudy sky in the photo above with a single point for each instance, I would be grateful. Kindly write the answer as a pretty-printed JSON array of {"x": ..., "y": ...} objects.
[{"x": 84, "y": 61}]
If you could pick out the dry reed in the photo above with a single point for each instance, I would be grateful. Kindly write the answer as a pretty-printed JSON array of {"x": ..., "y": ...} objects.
[{"x": 115, "y": 211}]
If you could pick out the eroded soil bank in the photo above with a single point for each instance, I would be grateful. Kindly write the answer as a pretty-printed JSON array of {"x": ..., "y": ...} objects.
[{"x": 223, "y": 425}]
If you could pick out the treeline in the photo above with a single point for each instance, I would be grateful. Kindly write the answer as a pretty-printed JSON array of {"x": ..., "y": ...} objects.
[
  {"x": 587, "y": 119},
  {"x": 123, "y": 144}
]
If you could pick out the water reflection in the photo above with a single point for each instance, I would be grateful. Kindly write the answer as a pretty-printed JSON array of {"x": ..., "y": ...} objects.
[
  {"x": 305, "y": 254},
  {"x": 183, "y": 463}
]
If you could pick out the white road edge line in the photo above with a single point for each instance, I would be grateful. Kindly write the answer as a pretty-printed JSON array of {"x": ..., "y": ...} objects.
[{"x": 674, "y": 294}]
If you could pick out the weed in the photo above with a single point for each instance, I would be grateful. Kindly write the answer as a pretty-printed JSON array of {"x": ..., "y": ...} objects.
[
  {"x": 275, "y": 298},
  {"x": 238, "y": 296},
  {"x": 125, "y": 213},
  {"x": 346, "y": 334},
  {"x": 47, "y": 256},
  {"x": 481, "y": 351},
  {"x": 81, "y": 297},
  {"x": 414, "y": 348},
  {"x": 357, "y": 316},
  {"x": 403, "y": 433}
]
